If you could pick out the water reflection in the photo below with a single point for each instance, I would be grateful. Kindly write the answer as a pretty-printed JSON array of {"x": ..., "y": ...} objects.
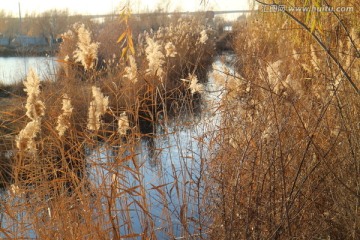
[{"x": 175, "y": 159}]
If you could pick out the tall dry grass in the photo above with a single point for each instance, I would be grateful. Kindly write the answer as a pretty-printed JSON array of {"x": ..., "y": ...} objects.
[
  {"x": 118, "y": 152},
  {"x": 74, "y": 167},
  {"x": 287, "y": 165}
]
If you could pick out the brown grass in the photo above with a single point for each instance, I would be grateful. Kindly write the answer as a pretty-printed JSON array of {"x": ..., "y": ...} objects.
[
  {"x": 281, "y": 163},
  {"x": 94, "y": 184},
  {"x": 287, "y": 165}
]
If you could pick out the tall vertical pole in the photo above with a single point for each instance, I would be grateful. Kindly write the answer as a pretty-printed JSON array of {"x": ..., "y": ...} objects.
[{"x": 20, "y": 27}]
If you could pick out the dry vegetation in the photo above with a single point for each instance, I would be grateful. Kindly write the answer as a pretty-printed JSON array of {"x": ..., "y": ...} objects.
[
  {"x": 110, "y": 149},
  {"x": 288, "y": 165},
  {"x": 71, "y": 148}
]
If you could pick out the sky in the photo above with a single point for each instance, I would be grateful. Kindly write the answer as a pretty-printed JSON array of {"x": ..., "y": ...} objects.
[{"x": 110, "y": 6}]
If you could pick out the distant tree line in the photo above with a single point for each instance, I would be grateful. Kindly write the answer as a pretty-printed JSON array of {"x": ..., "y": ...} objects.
[{"x": 49, "y": 24}]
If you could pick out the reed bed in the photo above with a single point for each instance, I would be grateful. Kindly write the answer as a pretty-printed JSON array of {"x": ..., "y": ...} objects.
[
  {"x": 79, "y": 153},
  {"x": 132, "y": 142},
  {"x": 287, "y": 165}
]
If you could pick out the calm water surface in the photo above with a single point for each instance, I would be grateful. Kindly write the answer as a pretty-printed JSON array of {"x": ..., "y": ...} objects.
[
  {"x": 179, "y": 148},
  {"x": 13, "y": 69}
]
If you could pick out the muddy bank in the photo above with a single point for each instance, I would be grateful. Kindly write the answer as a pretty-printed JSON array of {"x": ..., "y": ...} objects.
[{"x": 11, "y": 51}]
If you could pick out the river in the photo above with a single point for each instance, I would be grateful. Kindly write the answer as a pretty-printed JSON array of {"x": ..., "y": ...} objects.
[
  {"x": 175, "y": 159},
  {"x": 13, "y": 69}
]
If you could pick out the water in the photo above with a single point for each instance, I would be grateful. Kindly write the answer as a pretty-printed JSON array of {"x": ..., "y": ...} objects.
[
  {"x": 175, "y": 159},
  {"x": 13, "y": 69}
]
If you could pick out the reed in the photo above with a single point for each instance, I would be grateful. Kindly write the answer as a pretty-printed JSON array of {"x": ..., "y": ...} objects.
[
  {"x": 116, "y": 147},
  {"x": 76, "y": 168}
]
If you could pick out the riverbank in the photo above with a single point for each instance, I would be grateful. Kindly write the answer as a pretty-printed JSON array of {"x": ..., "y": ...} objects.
[{"x": 12, "y": 51}]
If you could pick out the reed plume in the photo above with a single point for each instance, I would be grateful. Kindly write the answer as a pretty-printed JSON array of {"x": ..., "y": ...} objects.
[
  {"x": 170, "y": 50},
  {"x": 35, "y": 110},
  {"x": 25, "y": 140},
  {"x": 194, "y": 84},
  {"x": 131, "y": 71},
  {"x": 123, "y": 124},
  {"x": 86, "y": 52},
  {"x": 155, "y": 57},
  {"x": 63, "y": 120},
  {"x": 98, "y": 107},
  {"x": 203, "y": 37}
]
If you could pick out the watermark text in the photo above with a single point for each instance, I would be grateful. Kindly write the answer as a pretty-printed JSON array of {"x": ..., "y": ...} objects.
[{"x": 283, "y": 8}]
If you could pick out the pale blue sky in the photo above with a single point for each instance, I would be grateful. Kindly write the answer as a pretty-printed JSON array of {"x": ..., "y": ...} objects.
[{"x": 107, "y": 6}]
